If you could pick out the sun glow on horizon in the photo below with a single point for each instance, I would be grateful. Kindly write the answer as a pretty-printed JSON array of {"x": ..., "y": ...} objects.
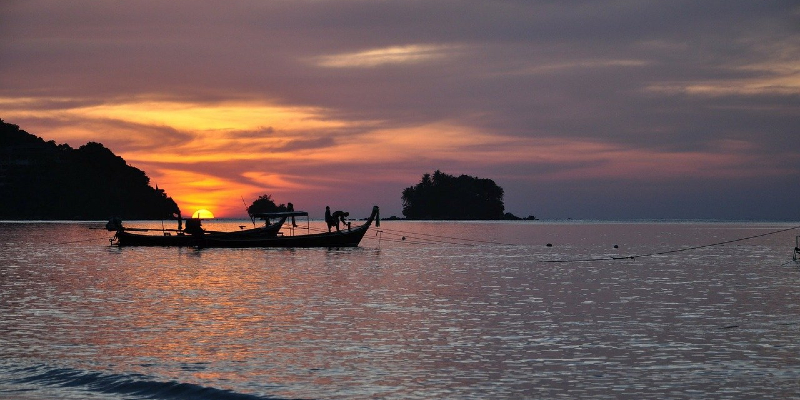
[{"x": 203, "y": 213}]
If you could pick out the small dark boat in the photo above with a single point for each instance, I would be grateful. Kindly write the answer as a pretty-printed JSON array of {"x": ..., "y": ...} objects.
[
  {"x": 194, "y": 234},
  {"x": 267, "y": 236}
]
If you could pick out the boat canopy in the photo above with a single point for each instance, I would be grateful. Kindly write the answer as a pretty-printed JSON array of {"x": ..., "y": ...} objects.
[{"x": 281, "y": 214}]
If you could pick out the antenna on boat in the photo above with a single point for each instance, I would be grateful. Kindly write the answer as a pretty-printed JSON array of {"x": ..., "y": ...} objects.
[{"x": 252, "y": 219}]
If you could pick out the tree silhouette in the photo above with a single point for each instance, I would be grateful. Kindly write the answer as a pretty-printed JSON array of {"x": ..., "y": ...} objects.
[
  {"x": 265, "y": 204},
  {"x": 444, "y": 196}
]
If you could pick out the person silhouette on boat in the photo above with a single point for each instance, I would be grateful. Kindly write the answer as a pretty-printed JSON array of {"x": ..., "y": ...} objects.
[
  {"x": 290, "y": 208},
  {"x": 340, "y": 216},
  {"x": 329, "y": 219},
  {"x": 333, "y": 219},
  {"x": 194, "y": 227}
]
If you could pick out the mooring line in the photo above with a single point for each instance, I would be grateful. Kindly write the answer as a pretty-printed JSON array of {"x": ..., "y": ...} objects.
[
  {"x": 659, "y": 253},
  {"x": 399, "y": 238},
  {"x": 790, "y": 262},
  {"x": 470, "y": 241},
  {"x": 76, "y": 241},
  {"x": 419, "y": 240}
]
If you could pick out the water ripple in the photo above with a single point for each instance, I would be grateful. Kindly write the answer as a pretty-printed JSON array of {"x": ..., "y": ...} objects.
[{"x": 404, "y": 321}]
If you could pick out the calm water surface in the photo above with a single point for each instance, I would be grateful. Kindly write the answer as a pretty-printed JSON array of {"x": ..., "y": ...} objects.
[{"x": 416, "y": 318}]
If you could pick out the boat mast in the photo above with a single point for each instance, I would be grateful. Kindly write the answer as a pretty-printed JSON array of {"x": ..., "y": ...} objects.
[{"x": 252, "y": 219}]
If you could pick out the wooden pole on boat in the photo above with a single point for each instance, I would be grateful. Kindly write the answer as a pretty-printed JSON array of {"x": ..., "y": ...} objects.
[{"x": 252, "y": 219}]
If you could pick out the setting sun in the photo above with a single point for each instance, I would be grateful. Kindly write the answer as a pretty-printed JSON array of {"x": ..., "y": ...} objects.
[{"x": 203, "y": 213}]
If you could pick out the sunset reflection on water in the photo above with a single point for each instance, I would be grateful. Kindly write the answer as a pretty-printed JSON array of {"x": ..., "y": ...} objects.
[{"x": 424, "y": 320}]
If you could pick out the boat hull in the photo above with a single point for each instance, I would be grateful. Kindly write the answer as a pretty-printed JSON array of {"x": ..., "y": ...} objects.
[
  {"x": 348, "y": 238},
  {"x": 126, "y": 238},
  {"x": 345, "y": 238},
  {"x": 132, "y": 239}
]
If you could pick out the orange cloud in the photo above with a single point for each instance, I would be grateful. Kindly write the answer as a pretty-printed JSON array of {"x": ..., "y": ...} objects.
[
  {"x": 210, "y": 155},
  {"x": 173, "y": 138}
]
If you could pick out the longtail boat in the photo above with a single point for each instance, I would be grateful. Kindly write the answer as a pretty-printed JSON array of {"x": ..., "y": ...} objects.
[
  {"x": 268, "y": 236},
  {"x": 349, "y": 237},
  {"x": 194, "y": 234}
]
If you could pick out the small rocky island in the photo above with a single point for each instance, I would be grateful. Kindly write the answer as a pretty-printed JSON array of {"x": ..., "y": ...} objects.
[
  {"x": 42, "y": 180},
  {"x": 446, "y": 197}
]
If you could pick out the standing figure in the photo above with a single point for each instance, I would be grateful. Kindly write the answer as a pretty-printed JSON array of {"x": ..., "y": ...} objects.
[
  {"x": 290, "y": 207},
  {"x": 329, "y": 220}
]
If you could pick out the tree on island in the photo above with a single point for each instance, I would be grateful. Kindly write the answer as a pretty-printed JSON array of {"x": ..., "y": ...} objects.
[
  {"x": 265, "y": 204},
  {"x": 442, "y": 196},
  {"x": 45, "y": 180}
]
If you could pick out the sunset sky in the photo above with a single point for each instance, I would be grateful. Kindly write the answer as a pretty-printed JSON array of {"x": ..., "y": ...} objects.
[{"x": 581, "y": 109}]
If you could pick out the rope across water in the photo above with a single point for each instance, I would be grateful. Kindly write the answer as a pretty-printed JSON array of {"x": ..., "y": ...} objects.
[{"x": 438, "y": 239}]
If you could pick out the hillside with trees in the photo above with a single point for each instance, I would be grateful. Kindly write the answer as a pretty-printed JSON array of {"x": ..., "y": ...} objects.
[
  {"x": 45, "y": 180},
  {"x": 446, "y": 197}
]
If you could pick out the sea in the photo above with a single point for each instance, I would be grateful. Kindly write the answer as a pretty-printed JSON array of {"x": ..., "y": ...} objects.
[{"x": 420, "y": 310}]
